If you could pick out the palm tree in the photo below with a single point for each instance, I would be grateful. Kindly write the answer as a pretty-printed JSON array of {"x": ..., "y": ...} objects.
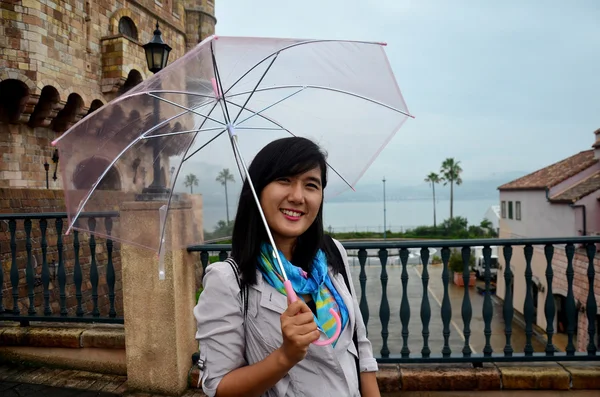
[
  {"x": 191, "y": 180},
  {"x": 224, "y": 177},
  {"x": 451, "y": 171},
  {"x": 433, "y": 178}
]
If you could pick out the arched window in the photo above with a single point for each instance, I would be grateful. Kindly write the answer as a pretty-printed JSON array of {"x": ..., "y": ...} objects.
[{"x": 127, "y": 28}]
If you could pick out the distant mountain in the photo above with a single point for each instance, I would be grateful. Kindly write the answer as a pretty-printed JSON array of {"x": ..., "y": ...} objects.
[{"x": 468, "y": 190}]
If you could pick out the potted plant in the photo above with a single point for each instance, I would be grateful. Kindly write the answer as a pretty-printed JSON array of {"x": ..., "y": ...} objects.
[{"x": 455, "y": 264}]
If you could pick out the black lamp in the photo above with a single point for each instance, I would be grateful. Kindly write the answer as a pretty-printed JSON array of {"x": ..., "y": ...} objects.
[
  {"x": 157, "y": 52},
  {"x": 47, "y": 168}
]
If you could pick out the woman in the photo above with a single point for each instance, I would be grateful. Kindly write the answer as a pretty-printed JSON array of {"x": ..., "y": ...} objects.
[{"x": 252, "y": 341}]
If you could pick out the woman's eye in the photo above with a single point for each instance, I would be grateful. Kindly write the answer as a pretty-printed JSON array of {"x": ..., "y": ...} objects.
[
  {"x": 284, "y": 180},
  {"x": 312, "y": 186}
]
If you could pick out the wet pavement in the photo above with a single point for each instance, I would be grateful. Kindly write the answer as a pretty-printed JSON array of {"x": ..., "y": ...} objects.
[
  {"x": 10, "y": 389},
  {"x": 435, "y": 295}
]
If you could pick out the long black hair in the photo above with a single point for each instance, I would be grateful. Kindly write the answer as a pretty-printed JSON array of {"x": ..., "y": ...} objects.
[{"x": 281, "y": 158}]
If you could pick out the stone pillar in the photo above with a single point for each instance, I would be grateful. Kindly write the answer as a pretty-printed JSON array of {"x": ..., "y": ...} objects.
[{"x": 159, "y": 321}]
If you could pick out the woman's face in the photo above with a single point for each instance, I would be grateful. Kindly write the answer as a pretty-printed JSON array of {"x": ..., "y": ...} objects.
[{"x": 291, "y": 204}]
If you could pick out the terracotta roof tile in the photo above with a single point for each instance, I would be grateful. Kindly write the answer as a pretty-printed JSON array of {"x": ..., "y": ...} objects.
[
  {"x": 587, "y": 186},
  {"x": 554, "y": 174}
]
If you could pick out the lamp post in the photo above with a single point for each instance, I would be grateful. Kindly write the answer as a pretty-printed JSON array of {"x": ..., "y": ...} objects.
[
  {"x": 157, "y": 55},
  {"x": 384, "y": 212}
]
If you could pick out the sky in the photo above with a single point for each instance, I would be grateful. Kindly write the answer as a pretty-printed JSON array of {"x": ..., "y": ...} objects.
[{"x": 501, "y": 86}]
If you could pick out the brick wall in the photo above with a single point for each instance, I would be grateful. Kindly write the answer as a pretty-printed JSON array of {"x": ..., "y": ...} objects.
[{"x": 38, "y": 201}]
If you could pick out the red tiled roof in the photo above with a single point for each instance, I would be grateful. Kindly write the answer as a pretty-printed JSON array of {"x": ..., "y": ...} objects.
[
  {"x": 587, "y": 186},
  {"x": 554, "y": 174}
]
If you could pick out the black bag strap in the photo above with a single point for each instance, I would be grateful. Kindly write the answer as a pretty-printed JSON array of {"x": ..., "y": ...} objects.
[
  {"x": 334, "y": 250},
  {"x": 243, "y": 288}
]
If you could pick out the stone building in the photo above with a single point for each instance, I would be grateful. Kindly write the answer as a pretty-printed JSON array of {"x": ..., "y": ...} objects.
[{"x": 61, "y": 60}]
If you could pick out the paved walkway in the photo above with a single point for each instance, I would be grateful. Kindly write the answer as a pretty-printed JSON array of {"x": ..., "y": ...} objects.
[{"x": 10, "y": 389}]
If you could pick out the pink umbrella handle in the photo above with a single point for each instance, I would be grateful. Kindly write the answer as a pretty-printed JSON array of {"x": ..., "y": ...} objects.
[{"x": 292, "y": 297}]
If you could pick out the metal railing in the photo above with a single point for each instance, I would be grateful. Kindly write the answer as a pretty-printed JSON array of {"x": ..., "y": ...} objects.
[
  {"x": 18, "y": 224},
  {"x": 460, "y": 348}
]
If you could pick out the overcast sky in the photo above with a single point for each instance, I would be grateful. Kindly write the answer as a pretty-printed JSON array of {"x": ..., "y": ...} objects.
[{"x": 499, "y": 85}]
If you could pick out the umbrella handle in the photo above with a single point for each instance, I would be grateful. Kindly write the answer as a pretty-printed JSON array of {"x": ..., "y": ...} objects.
[{"x": 287, "y": 284}]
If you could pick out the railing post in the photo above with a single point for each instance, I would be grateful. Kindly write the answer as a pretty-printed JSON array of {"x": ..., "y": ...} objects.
[
  {"x": 549, "y": 307},
  {"x": 591, "y": 306},
  {"x": 467, "y": 310},
  {"x": 363, "y": 305},
  {"x": 14, "y": 270},
  {"x": 29, "y": 269},
  {"x": 528, "y": 309},
  {"x": 62, "y": 274},
  {"x": 404, "y": 305},
  {"x": 384, "y": 308},
  {"x": 77, "y": 274},
  {"x": 488, "y": 309},
  {"x": 94, "y": 276},
  {"x": 110, "y": 268},
  {"x": 571, "y": 309},
  {"x": 45, "y": 270},
  {"x": 507, "y": 309},
  {"x": 446, "y": 306},
  {"x": 425, "y": 307},
  {"x": 158, "y": 313}
]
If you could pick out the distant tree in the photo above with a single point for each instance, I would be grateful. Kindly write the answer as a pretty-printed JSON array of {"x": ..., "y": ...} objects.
[
  {"x": 433, "y": 178},
  {"x": 224, "y": 177},
  {"x": 451, "y": 171},
  {"x": 190, "y": 181}
]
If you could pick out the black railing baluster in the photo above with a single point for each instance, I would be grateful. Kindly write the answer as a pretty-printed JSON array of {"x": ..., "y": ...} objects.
[
  {"x": 29, "y": 269},
  {"x": 45, "y": 270},
  {"x": 404, "y": 305},
  {"x": 94, "y": 276},
  {"x": 62, "y": 273},
  {"x": 77, "y": 274},
  {"x": 488, "y": 309},
  {"x": 591, "y": 305},
  {"x": 364, "y": 304},
  {"x": 110, "y": 268},
  {"x": 528, "y": 310},
  {"x": 467, "y": 310},
  {"x": 14, "y": 270},
  {"x": 508, "y": 310},
  {"x": 549, "y": 307},
  {"x": 223, "y": 255},
  {"x": 425, "y": 307},
  {"x": 204, "y": 257},
  {"x": 384, "y": 308},
  {"x": 446, "y": 306},
  {"x": 570, "y": 309},
  {"x": 1, "y": 286}
]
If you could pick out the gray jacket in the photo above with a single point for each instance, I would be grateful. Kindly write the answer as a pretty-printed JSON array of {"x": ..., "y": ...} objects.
[{"x": 228, "y": 340}]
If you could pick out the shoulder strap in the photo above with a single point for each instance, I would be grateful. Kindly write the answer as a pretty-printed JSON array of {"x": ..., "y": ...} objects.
[
  {"x": 243, "y": 288},
  {"x": 333, "y": 248}
]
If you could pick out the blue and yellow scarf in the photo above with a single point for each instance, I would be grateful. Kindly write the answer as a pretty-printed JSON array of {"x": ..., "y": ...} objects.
[{"x": 318, "y": 285}]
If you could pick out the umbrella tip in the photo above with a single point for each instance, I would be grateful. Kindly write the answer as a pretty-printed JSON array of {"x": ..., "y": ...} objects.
[
  {"x": 383, "y": 43},
  {"x": 53, "y": 143}
]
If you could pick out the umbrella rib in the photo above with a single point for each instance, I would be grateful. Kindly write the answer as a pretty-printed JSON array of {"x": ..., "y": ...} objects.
[
  {"x": 268, "y": 107},
  {"x": 296, "y": 45},
  {"x": 160, "y": 247},
  {"x": 180, "y": 92},
  {"x": 320, "y": 87},
  {"x": 185, "y": 108},
  {"x": 112, "y": 163},
  {"x": 292, "y": 134},
  {"x": 220, "y": 85},
  {"x": 206, "y": 144},
  {"x": 183, "y": 132},
  {"x": 255, "y": 87}
]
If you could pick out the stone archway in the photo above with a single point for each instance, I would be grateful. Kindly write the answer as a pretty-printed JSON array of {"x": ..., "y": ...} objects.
[
  {"x": 89, "y": 170},
  {"x": 14, "y": 95},
  {"x": 133, "y": 78}
]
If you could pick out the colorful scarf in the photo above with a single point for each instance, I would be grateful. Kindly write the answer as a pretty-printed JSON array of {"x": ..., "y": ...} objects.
[{"x": 317, "y": 284}]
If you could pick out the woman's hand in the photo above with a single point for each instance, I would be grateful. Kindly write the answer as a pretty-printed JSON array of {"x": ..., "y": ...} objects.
[{"x": 299, "y": 330}]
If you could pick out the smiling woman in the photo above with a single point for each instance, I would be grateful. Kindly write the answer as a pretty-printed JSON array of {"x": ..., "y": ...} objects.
[{"x": 254, "y": 341}]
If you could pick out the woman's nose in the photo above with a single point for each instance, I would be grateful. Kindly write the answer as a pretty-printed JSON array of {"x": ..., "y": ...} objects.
[{"x": 296, "y": 194}]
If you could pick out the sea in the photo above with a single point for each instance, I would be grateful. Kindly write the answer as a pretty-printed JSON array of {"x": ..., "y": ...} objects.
[{"x": 369, "y": 215}]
